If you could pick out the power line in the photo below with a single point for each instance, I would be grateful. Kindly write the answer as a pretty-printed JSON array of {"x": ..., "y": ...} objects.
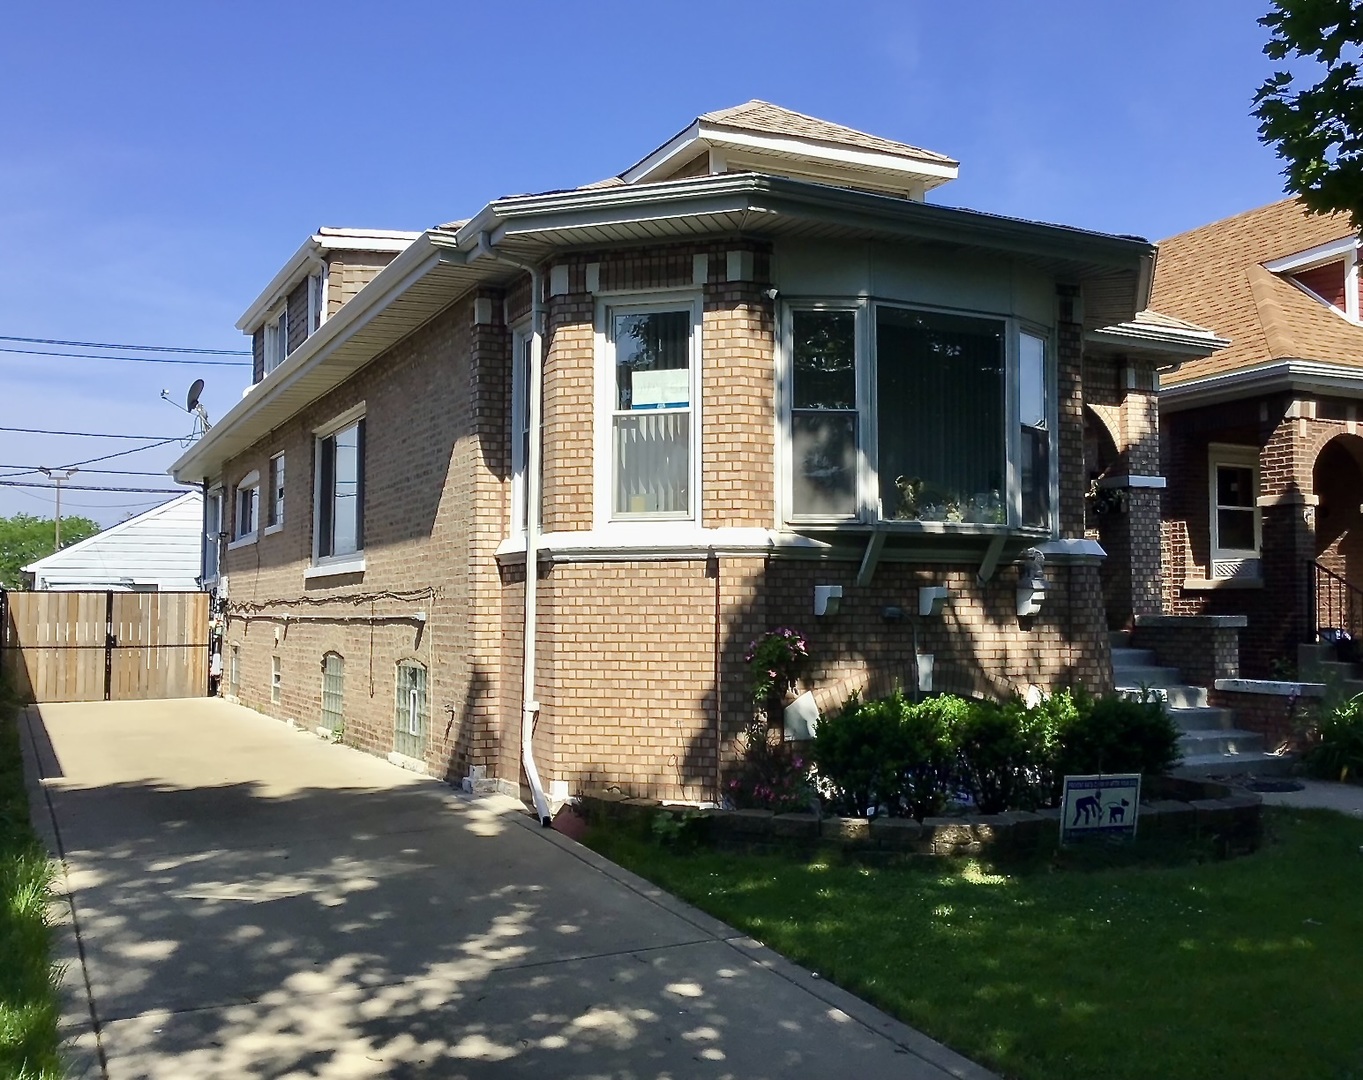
[
  {"x": 129, "y": 359},
  {"x": 21, "y": 471},
  {"x": 133, "y": 348},
  {"x": 89, "y": 487},
  {"x": 111, "y": 472},
  {"x": 92, "y": 506},
  {"x": 89, "y": 434}
]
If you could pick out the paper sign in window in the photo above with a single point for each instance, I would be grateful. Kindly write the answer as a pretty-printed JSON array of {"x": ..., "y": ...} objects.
[{"x": 666, "y": 389}]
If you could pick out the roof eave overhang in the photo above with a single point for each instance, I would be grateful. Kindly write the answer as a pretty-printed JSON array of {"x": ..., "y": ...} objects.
[
  {"x": 308, "y": 255},
  {"x": 533, "y": 227},
  {"x": 1279, "y": 376},
  {"x": 1185, "y": 346},
  {"x": 926, "y": 170},
  {"x": 762, "y": 196}
]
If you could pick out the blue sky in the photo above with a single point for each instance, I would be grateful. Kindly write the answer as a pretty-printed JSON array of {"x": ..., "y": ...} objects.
[{"x": 159, "y": 162}]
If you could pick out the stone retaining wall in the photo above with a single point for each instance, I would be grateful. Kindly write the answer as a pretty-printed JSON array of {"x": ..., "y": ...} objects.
[{"x": 1176, "y": 808}]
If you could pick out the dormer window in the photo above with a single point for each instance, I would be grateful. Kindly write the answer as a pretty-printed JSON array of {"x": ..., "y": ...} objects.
[{"x": 1328, "y": 273}]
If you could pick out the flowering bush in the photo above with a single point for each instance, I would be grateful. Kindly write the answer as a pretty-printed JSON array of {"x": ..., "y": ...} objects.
[
  {"x": 769, "y": 775},
  {"x": 777, "y": 660}
]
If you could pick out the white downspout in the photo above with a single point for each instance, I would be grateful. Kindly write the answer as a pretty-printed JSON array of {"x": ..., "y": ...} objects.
[{"x": 529, "y": 706}]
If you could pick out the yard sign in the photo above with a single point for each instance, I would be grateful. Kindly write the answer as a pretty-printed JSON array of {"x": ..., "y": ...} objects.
[{"x": 1104, "y": 805}]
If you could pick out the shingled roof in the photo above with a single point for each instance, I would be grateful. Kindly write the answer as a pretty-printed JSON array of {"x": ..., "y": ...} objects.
[
  {"x": 1215, "y": 276},
  {"x": 758, "y": 115}
]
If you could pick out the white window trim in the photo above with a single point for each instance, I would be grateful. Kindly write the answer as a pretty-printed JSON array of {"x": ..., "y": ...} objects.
[
  {"x": 278, "y": 524},
  {"x": 1346, "y": 249},
  {"x": 317, "y": 300},
  {"x": 1236, "y": 456},
  {"x": 276, "y": 328},
  {"x": 331, "y": 565},
  {"x": 603, "y": 469},
  {"x": 249, "y": 482},
  {"x": 869, "y": 510},
  {"x": 214, "y": 538}
]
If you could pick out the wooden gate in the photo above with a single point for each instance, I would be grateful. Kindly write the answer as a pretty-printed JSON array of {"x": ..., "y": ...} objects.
[{"x": 104, "y": 646}]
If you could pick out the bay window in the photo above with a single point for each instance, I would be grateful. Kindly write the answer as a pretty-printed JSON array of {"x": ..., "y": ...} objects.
[{"x": 907, "y": 415}]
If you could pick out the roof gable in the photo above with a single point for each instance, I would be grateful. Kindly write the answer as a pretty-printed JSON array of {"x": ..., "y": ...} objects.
[
  {"x": 758, "y": 136},
  {"x": 1222, "y": 276}
]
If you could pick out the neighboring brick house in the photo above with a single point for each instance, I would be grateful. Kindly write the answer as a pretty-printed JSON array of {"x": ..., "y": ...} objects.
[
  {"x": 1260, "y": 441},
  {"x": 767, "y": 371}
]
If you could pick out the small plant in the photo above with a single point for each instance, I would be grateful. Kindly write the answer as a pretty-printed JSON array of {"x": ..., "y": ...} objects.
[
  {"x": 676, "y": 828},
  {"x": 769, "y": 775},
  {"x": 1334, "y": 745},
  {"x": 777, "y": 659}
]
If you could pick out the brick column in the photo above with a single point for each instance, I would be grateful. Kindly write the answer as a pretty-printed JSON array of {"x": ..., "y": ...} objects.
[{"x": 1070, "y": 390}]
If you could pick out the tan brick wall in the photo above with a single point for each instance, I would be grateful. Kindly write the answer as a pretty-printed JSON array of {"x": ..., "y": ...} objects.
[
  {"x": 629, "y": 689},
  {"x": 429, "y": 461},
  {"x": 628, "y": 652}
]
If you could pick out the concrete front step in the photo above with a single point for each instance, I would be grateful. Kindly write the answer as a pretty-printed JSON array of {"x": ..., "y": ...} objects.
[
  {"x": 1174, "y": 697},
  {"x": 1125, "y": 658},
  {"x": 1201, "y": 718},
  {"x": 1228, "y": 742},
  {"x": 1234, "y": 765},
  {"x": 1119, "y": 639},
  {"x": 1146, "y": 675}
]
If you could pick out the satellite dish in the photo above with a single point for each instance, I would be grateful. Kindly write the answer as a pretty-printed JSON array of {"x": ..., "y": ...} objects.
[{"x": 192, "y": 400}]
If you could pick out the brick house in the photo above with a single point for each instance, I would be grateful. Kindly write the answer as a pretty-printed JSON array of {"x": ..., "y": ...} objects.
[
  {"x": 1260, "y": 440},
  {"x": 753, "y": 380}
]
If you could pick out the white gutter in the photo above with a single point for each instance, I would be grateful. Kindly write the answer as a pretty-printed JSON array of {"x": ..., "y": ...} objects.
[
  {"x": 1304, "y": 375},
  {"x": 530, "y": 707}
]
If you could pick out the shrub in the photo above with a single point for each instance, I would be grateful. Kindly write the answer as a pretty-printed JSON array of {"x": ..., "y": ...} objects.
[
  {"x": 1117, "y": 735},
  {"x": 1334, "y": 749},
  {"x": 1006, "y": 752},
  {"x": 888, "y": 754}
]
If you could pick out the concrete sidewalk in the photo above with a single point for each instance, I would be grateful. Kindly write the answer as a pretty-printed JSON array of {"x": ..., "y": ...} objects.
[{"x": 247, "y": 901}]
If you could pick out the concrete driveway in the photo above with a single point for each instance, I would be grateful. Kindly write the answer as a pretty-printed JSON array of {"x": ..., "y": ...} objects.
[{"x": 249, "y": 902}]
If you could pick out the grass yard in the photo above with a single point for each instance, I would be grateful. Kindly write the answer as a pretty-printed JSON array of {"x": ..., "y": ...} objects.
[
  {"x": 29, "y": 1007},
  {"x": 1251, "y": 967}
]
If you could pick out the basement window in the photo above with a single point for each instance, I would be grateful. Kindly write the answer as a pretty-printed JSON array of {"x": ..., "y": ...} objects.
[{"x": 410, "y": 719}]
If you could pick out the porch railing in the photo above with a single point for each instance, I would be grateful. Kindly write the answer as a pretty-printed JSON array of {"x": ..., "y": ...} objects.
[{"x": 1336, "y": 606}]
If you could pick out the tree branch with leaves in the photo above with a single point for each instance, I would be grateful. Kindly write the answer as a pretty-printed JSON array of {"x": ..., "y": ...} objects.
[{"x": 1316, "y": 129}]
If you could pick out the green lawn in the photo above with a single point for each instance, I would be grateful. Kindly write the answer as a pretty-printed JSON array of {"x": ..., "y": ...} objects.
[
  {"x": 28, "y": 997},
  {"x": 1251, "y": 967}
]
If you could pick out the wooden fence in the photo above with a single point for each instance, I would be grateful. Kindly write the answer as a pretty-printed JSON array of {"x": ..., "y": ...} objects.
[{"x": 104, "y": 646}]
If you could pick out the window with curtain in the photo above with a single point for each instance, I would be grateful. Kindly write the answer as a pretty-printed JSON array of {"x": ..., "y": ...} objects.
[
  {"x": 652, "y": 431},
  {"x": 940, "y": 383}
]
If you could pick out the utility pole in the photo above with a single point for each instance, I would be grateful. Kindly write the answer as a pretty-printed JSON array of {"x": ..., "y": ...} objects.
[{"x": 58, "y": 480}]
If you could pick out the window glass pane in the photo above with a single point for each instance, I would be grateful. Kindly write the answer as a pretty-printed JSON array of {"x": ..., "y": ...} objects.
[
  {"x": 1031, "y": 381},
  {"x": 346, "y": 494},
  {"x": 824, "y": 455},
  {"x": 1235, "y": 530},
  {"x": 825, "y": 353},
  {"x": 276, "y": 490},
  {"x": 1234, "y": 486},
  {"x": 940, "y": 381},
  {"x": 1034, "y": 469},
  {"x": 653, "y": 463},
  {"x": 653, "y": 360}
]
